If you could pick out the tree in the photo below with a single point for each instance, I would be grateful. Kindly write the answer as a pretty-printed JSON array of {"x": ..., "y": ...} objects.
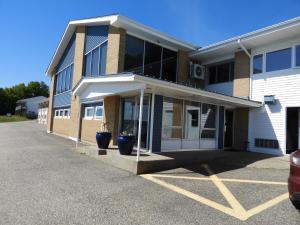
[{"x": 9, "y": 96}]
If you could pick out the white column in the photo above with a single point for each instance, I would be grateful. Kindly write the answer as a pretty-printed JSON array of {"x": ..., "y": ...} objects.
[
  {"x": 151, "y": 121},
  {"x": 140, "y": 125}
]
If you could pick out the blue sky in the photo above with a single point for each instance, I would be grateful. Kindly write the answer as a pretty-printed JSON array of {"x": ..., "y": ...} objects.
[{"x": 31, "y": 29}]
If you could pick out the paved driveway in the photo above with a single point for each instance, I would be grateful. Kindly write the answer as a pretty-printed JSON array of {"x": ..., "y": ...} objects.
[{"x": 43, "y": 181}]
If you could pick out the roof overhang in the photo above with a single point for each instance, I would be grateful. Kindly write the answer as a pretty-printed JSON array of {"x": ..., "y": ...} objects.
[
  {"x": 280, "y": 31},
  {"x": 131, "y": 27},
  {"x": 120, "y": 84}
]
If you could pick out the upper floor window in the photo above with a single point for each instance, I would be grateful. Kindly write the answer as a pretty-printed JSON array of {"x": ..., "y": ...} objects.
[
  {"x": 64, "y": 80},
  {"x": 297, "y": 54},
  {"x": 258, "y": 64},
  {"x": 95, "y": 60},
  {"x": 279, "y": 60},
  {"x": 221, "y": 73},
  {"x": 149, "y": 59}
]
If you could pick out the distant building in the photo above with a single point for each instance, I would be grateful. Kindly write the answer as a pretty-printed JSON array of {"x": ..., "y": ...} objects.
[{"x": 29, "y": 106}]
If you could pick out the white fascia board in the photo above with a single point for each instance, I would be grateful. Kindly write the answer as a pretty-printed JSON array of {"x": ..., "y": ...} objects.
[
  {"x": 102, "y": 20},
  {"x": 59, "y": 48},
  {"x": 68, "y": 33},
  {"x": 124, "y": 21},
  {"x": 105, "y": 79},
  {"x": 195, "y": 92},
  {"x": 248, "y": 36}
]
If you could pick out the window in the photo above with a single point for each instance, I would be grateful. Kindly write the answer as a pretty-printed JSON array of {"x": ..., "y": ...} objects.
[
  {"x": 95, "y": 61},
  {"x": 64, "y": 80},
  {"x": 98, "y": 112},
  {"x": 266, "y": 143},
  {"x": 279, "y": 60},
  {"x": 297, "y": 55},
  {"x": 152, "y": 64},
  {"x": 221, "y": 73},
  {"x": 169, "y": 65},
  {"x": 93, "y": 111},
  {"x": 258, "y": 64},
  {"x": 208, "y": 121},
  {"x": 62, "y": 113},
  {"x": 149, "y": 59},
  {"x": 134, "y": 53},
  {"x": 172, "y": 118}
]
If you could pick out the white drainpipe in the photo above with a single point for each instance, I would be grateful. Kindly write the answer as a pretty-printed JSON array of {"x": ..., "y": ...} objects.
[{"x": 243, "y": 47}]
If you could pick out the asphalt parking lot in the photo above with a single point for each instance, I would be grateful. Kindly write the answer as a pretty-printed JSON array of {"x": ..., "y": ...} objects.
[{"x": 44, "y": 181}]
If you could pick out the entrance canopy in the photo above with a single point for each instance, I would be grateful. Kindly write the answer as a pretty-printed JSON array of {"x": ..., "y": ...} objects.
[{"x": 126, "y": 84}]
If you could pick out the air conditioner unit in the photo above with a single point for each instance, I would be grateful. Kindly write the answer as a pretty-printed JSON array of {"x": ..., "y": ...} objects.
[{"x": 197, "y": 71}]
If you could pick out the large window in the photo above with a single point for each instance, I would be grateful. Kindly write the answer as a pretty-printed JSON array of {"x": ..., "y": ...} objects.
[
  {"x": 221, "y": 73},
  {"x": 279, "y": 60},
  {"x": 149, "y": 59},
  {"x": 64, "y": 80},
  {"x": 208, "y": 121},
  {"x": 95, "y": 61},
  {"x": 258, "y": 64},
  {"x": 93, "y": 111},
  {"x": 297, "y": 54},
  {"x": 172, "y": 118}
]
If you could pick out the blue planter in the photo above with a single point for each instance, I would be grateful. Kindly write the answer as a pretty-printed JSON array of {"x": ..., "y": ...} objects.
[
  {"x": 103, "y": 139},
  {"x": 125, "y": 144}
]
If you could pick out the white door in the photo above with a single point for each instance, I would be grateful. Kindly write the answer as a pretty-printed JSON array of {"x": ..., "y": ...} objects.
[{"x": 192, "y": 128}]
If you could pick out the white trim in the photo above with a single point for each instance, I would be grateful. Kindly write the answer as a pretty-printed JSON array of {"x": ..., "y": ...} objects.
[
  {"x": 151, "y": 121},
  {"x": 260, "y": 33},
  {"x": 165, "y": 85},
  {"x": 117, "y": 21}
]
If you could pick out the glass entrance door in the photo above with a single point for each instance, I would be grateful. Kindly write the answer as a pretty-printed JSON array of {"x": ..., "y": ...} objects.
[
  {"x": 130, "y": 118},
  {"x": 192, "y": 123}
]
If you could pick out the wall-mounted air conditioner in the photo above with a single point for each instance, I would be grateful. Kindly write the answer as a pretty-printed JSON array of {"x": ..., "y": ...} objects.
[
  {"x": 269, "y": 99},
  {"x": 197, "y": 71}
]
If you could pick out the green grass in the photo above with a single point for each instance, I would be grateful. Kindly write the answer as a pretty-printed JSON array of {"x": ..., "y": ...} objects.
[{"x": 4, "y": 119}]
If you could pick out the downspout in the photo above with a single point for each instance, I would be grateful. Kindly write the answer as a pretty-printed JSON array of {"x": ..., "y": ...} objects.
[{"x": 243, "y": 47}]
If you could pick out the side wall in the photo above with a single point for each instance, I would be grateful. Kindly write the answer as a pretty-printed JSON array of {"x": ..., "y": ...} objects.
[
  {"x": 269, "y": 122},
  {"x": 241, "y": 88}
]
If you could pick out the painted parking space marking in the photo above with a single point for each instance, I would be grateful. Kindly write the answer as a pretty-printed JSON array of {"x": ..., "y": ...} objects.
[{"x": 236, "y": 209}]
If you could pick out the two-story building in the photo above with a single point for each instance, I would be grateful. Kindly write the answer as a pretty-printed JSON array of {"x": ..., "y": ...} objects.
[{"x": 241, "y": 93}]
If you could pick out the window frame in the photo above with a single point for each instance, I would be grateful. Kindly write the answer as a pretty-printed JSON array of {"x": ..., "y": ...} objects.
[
  {"x": 61, "y": 85},
  {"x": 99, "y": 107},
  {"x": 294, "y": 61},
  {"x": 160, "y": 75},
  {"x": 230, "y": 63},
  {"x": 85, "y": 112},
  {"x": 90, "y": 52},
  {"x": 264, "y": 62}
]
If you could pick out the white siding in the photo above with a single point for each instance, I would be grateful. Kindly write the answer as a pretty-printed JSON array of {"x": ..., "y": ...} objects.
[
  {"x": 225, "y": 88},
  {"x": 269, "y": 122}
]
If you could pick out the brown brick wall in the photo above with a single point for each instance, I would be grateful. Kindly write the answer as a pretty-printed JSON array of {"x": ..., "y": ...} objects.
[
  {"x": 184, "y": 71},
  {"x": 241, "y": 82},
  {"x": 89, "y": 129},
  {"x": 62, "y": 126},
  {"x": 115, "y": 50},
  {"x": 111, "y": 115},
  {"x": 77, "y": 74},
  {"x": 240, "y": 128}
]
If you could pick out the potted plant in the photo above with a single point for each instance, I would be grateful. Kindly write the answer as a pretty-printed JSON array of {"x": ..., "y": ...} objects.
[
  {"x": 103, "y": 137},
  {"x": 125, "y": 143}
]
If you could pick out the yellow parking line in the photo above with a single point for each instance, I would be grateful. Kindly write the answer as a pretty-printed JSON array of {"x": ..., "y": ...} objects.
[
  {"x": 191, "y": 195},
  {"x": 236, "y": 206},
  {"x": 267, "y": 205},
  {"x": 236, "y": 210},
  {"x": 222, "y": 179}
]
